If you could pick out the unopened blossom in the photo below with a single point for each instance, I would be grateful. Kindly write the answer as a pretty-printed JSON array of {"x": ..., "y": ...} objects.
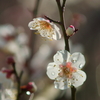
[
  {"x": 45, "y": 28},
  {"x": 31, "y": 87},
  {"x": 8, "y": 72},
  {"x": 10, "y": 94},
  {"x": 10, "y": 60},
  {"x": 4, "y": 81},
  {"x": 71, "y": 30},
  {"x": 66, "y": 70}
]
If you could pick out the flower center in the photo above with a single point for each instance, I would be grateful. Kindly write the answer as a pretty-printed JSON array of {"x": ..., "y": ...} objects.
[
  {"x": 67, "y": 70},
  {"x": 45, "y": 25}
]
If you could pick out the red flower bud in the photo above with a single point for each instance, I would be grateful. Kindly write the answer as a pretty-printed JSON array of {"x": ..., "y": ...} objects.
[
  {"x": 71, "y": 30},
  {"x": 31, "y": 87},
  {"x": 8, "y": 72},
  {"x": 10, "y": 60}
]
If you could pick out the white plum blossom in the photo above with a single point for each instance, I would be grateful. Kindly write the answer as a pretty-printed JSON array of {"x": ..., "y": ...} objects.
[
  {"x": 7, "y": 30},
  {"x": 9, "y": 94},
  {"x": 45, "y": 28},
  {"x": 66, "y": 69}
]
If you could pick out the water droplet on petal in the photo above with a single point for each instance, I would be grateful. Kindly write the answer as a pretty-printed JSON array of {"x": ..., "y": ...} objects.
[
  {"x": 53, "y": 73},
  {"x": 56, "y": 85},
  {"x": 80, "y": 66}
]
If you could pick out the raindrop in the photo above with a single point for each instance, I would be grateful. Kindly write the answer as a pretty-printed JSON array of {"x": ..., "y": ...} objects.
[
  {"x": 53, "y": 73},
  {"x": 81, "y": 65},
  {"x": 56, "y": 85}
]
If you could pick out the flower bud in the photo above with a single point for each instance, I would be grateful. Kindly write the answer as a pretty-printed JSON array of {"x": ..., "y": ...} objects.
[
  {"x": 8, "y": 72},
  {"x": 31, "y": 87},
  {"x": 10, "y": 60},
  {"x": 71, "y": 30}
]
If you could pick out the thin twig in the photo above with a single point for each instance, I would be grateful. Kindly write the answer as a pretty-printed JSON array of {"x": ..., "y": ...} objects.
[
  {"x": 21, "y": 73},
  {"x": 52, "y": 20},
  {"x": 61, "y": 13},
  {"x": 73, "y": 92},
  {"x": 63, "y": 5},
  {"x": 18, "y": 82}
]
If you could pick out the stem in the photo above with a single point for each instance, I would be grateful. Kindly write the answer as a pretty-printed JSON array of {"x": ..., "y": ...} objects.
[
  {"x": 73, "y": 92},
  {"x": 64, "y": 2},
  {"x": 18, "y": 81},
  {"x": 61, "y": 13},
  {"x": 52, "y": 20}
]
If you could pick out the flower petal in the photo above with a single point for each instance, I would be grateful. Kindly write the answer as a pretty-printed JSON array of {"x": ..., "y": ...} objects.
[
  {"x": 57, "y": 34},
  {"x": 52, "y": 65},
  {"x": 77, "y": 60},
  {"x": 78, "y": 78},
  {"x": 61, "y": 57},
  {"x": 39, "y": 19},
  {"x": 66, "y": 55},
  {"x": 43, "y": 33},
  {"x": 53, "y": 72},
  {"x": 33, "y": 25},
  {"x": 61, "y": 83}
]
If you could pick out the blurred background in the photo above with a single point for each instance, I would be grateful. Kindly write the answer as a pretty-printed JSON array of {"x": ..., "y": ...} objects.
[{"x": 32, "y": 53}]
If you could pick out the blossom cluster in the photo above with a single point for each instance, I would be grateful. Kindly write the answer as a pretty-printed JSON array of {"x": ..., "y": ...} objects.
[
  {"x": 66, "y": 68},
  {"x": 13, "y": 41}
]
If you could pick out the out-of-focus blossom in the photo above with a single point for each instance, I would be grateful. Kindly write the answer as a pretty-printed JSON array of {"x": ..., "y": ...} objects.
[
  {"x": 31, "y": 96},
  {"x": 14, "y": 41},
  {"x": 30, "y": 87},
  {"x": 10, "y": 94},
  {"x": 66, "y": 70},
  {"x": 78, "y": 19},
  {"x": 21, "y": 52},
  {"x": 71, "y": 30},
  {"x": 10, "y": 60},
  {"x": 8, "y": 72},
  {"x": 43, "y": 48},
  {"x": 6, "y": 83},
  {"x": 22, "y": 39},
  {"x": 7, "y": 30},
  {"x": 45, "y": 28}
]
